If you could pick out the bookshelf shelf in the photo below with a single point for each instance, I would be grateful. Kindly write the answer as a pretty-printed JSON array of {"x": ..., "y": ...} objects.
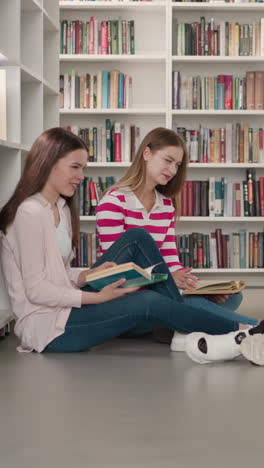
[
  {"x": 225, "y": 165},
  {"x": 217, "y": 6},
  {"x": 229, "y": 270},
  {"x": 27, "y": 75},
  {"x": 217, "y": 112},
  {"x": 12, "y": 145},
  {"x": 202, "y": 219},
  {"x": 217, "y": 59},
  {"x": 116, "y": 165},
  {"x": 87, "y": 218},
  {"x": 75, "y": 5},
  {"x": 113, "y": 58},
  {"x": 222, "y": 219},
  {"x": 114, "y": 111}
]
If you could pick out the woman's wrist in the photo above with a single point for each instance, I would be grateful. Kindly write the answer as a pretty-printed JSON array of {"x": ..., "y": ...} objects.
[{"x": 90, "y": 297}]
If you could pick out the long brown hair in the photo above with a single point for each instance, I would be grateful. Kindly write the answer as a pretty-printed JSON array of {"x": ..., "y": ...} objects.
[
  {"x": 157, "y": 139},
  {"x": 48, "y": 148}
]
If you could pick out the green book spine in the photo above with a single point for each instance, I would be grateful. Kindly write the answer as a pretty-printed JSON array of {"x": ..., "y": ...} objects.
[
  {"x": 108, "y": 139},
  {"x": 132, "y": 36}
]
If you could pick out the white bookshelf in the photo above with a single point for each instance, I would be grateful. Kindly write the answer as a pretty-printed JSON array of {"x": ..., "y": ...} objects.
[
  {"x": 151, "y": 68},
  {"x": 32, "y": 89}
]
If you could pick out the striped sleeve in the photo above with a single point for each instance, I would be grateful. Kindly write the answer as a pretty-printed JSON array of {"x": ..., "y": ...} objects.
[
  {"x": 169, "y": 249},
  {"x": 110, "y": 215}
]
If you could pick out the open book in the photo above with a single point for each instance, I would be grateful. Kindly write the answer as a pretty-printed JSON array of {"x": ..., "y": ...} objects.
[
  {"x": 134, "y": 274},
  {"x": 216, "y": 287}
]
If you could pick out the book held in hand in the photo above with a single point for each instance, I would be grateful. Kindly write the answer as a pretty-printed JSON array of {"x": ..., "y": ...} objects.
[
  {"x": 134, "y": 275},
  {"x": 216, "y": 287}
]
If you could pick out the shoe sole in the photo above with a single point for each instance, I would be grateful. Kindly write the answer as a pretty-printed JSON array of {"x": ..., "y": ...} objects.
[{"x": 252, "y": 348}]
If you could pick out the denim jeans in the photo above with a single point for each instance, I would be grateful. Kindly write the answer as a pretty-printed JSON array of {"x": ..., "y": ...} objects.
[{"x": 159, "y": 304}]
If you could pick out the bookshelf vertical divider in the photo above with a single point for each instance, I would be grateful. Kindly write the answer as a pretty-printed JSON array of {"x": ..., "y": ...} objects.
[{"x": 27, "y": 29}]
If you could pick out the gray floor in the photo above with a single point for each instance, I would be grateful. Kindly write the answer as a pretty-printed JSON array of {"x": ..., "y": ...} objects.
[{"x": 129, "y": 403}]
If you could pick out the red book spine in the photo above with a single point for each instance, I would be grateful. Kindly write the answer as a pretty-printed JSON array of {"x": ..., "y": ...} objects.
[
  {"x": 228, "y": 91},
  {"x": 198, "y": 39},
  {"x": 184, "y": 200},
  {"x": 91, "y": 44},
  {"x": 104, "y": 38},
  {"x": 117, "y": 143},
  {"x": 190, "y": 198},
  {"x": 238, "y": 200}
]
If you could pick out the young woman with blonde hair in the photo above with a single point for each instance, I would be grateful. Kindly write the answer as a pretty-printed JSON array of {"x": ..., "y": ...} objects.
[{"x": 148, "y": 196}]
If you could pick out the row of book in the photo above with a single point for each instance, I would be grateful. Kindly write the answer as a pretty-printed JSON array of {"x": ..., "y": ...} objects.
[
  {"x": 218, "y": 92},
  {"x": 232, "y": 143},
  {"x": 105, "y": 89},
  {"x": 113, "y": 142},
  {"x": 241, "y": 249},
  {"x": 225, "y": 38},
  {"x": 88, "y": 251},
  {"x": 97, "y": 37},
  {"x": 224, "y": 197},
  {"x": 89, "y": 193}
]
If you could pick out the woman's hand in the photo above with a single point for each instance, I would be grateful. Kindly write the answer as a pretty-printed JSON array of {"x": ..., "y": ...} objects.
[
  {"x": 114, "y": 291},
  {"x": 184, "y": 279},
  {"x": 85, "y": 273}
]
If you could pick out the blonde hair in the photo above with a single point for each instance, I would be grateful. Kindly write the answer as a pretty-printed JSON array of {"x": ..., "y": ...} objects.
[{"x": 157, "y": 139}]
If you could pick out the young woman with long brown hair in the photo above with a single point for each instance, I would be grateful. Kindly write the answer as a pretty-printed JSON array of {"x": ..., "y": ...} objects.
[{"x": 53, "y": 308}]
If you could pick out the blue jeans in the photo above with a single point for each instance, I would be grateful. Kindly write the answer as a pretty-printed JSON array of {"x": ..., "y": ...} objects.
[
  {"x": 160, "y": 303},
  {"x": 201, "y": 302}
]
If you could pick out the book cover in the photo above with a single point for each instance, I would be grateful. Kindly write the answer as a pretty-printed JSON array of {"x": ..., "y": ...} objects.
[{"x": 134, "y": 274}]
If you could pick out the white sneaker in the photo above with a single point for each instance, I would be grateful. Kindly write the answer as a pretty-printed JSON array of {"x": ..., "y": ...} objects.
[
  {"x": 252, "y": 348},
  {"x": 178, "y": 341},
  {"x": 205, "y": 349}
]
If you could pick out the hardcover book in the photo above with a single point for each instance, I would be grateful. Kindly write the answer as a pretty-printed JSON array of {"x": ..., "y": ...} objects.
[{"x": 134, "y": 275}]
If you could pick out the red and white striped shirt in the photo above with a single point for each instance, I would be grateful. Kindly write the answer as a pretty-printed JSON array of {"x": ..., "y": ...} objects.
[{"x": 119, "y": 211}]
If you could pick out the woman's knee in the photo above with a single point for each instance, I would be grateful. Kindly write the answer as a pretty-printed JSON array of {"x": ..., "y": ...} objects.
[{"x": 139, "y": 234}]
